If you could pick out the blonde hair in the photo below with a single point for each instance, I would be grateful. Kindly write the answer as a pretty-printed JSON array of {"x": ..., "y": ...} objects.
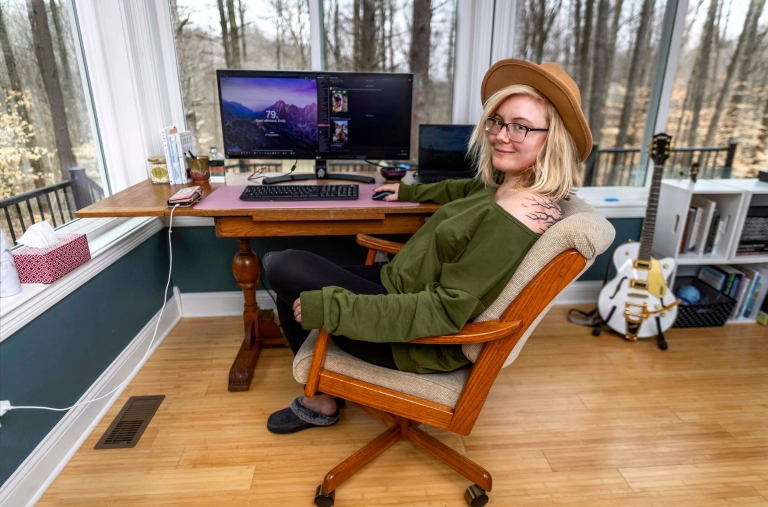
[{"x": 555, "y": 172}]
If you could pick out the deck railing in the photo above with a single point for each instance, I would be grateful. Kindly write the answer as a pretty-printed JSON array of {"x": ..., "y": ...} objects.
[
  {"x": 56, "y": 203},
  {"x": 608, "y": 167}
]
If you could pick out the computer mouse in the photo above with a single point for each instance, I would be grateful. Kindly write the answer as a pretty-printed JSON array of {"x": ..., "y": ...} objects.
[{"x": 380, "y": 196}]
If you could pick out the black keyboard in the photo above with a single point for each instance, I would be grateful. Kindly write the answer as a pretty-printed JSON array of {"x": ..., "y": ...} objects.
[{"x": 300, "y": 193}]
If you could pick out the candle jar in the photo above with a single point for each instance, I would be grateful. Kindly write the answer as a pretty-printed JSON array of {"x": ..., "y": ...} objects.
[{"x": 158, "y": 170}]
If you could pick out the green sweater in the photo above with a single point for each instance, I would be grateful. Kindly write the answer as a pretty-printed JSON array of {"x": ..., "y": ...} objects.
[{"x": 445, "y": 275}]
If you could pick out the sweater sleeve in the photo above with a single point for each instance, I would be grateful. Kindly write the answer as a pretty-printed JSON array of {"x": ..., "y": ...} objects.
[
  {"x": 443, "y": 307},
  {"x": 440, "y": 193}
]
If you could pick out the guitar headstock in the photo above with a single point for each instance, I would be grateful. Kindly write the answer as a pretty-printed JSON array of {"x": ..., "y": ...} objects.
[{"x": 659, "y": 148}]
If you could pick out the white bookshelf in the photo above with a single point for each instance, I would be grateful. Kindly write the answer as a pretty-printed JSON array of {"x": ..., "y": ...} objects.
[{"x": 733, "y": 198}]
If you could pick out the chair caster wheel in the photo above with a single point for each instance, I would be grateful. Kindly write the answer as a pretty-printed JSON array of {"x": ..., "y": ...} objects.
[
  {"x": 475, "y": 496},
  {"x": 323, "y": 499}
]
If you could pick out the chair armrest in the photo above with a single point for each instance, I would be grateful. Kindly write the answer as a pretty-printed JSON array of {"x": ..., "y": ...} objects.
[
  {"x": 474, "y": 332},
  {"x": 381, "y": 245},
  {"x": 318, "y": 359}
]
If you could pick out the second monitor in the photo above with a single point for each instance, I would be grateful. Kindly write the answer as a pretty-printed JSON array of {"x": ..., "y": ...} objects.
[{"x": 315, "y": 115}]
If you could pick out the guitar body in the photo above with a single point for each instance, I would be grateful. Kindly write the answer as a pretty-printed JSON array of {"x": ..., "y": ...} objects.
[{"x": 622, "y": 294}]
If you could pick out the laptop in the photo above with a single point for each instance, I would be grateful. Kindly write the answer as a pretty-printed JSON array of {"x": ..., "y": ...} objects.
[{"x": 443, "y": 153}]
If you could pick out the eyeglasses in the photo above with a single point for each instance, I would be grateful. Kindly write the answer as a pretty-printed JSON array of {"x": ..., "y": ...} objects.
[{"x": 515, "y": 132}]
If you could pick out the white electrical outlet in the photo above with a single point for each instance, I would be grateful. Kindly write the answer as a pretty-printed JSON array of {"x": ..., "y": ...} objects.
[{"x": 5, "y": 406}]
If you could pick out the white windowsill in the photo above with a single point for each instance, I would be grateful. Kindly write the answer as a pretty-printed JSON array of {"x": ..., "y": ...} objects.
[{"x": 108, "y": 240}]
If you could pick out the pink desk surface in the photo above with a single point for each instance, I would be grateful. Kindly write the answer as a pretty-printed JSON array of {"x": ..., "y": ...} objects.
[{"x": 228, "y": 197}]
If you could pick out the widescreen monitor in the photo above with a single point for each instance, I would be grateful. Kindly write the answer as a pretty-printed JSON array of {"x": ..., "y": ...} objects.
[{"x": 315, "y": 115}]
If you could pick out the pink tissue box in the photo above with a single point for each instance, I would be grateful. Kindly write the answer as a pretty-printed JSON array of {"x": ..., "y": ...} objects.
[{"x": 46, "y": 265}]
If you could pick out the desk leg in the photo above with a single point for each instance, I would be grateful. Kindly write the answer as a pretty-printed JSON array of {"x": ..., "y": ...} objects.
[{"x": 259, "y": 332}]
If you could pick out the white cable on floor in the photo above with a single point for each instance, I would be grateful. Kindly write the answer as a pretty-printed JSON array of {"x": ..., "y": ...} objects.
[{"x": 165, "y": 292}]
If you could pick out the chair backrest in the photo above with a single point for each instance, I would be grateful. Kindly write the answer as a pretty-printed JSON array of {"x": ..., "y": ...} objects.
[{"x": 582, "y": 228}]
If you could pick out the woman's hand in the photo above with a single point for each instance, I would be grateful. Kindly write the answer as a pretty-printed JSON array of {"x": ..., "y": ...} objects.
[
  {"x": 389, "y": 187},
  {"x": 297, "y": 309}
]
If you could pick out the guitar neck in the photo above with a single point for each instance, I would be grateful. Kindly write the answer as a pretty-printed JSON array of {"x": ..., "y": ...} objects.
[{"x": 649, "y": 224}]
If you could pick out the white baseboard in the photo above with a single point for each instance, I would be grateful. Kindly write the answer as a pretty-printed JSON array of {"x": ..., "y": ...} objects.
[
  {"x": 220, "y": 304},
  {"x": 581, "y": 292},
  {"x": 43, "y": 465}
]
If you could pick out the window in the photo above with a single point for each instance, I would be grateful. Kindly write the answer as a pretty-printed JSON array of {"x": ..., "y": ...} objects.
[
  {"x": 381, "y": 36},
  {"x": 610, "y": 48},
  {"x": 275, "y": 35},
  {"x": 717, "y": 114},
  {"x": 49, "y": 163},
  {"x": 233, "y": 34}
]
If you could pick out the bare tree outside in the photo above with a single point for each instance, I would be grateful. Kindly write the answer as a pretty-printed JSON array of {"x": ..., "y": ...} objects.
[
  {"x": 398, "y": 36},
  {"x": 44, "y": 126},
  {"x": 232, "y": 34},
  {"x": 610, "y": 48},
  {"x": 720, "y": 94}
]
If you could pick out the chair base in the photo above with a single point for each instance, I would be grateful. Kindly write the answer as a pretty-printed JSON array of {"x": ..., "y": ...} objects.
[{"x": 401, "y": 428}]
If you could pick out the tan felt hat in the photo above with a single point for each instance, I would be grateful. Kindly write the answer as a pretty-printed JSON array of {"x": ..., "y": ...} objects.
[{"x": 551, "y": 81}]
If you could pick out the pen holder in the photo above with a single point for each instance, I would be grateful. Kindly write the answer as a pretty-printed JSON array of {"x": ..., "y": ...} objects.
[{"x": 198, "y": 169}]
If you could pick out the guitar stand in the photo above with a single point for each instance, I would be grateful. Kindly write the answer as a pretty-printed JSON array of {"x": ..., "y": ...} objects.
[
  {"x": 593, "y": 319},
  {"x": 662, "y": 342}
]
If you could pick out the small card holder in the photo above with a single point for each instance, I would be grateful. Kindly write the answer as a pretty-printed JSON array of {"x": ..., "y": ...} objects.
[{"x": 186, "y": 197}]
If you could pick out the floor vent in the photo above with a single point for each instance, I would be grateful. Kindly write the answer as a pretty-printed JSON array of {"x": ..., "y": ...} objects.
[{"x": 127, "y": 428}]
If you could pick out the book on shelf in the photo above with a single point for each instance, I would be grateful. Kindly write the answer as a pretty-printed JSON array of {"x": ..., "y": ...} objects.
[
  {"x": 706, "y": 208},
  {"x": 697, "y": 215},
  {"x": 753, "y": 291},
  {"x": 754, "y": 233},
  {"x": 687, "y": 231},
  {"x": 709, "y": 244},
  {"x": 171, "y": 154},
  {"x": 713, "y": 276},
  {"x": 733, "y": 277},
  {"x": 185, "y": 144},
  {"x": 722, "y": 226}
]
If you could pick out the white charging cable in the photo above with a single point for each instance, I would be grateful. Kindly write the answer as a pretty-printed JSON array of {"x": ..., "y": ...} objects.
[{"x": 5, "y": 406}]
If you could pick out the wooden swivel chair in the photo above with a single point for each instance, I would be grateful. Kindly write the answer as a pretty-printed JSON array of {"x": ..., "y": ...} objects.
[{"x": 452, "y": 401}]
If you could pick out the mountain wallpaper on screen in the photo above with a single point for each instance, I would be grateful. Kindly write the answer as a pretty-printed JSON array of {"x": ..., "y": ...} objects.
[{"x": 289, "y": 128}]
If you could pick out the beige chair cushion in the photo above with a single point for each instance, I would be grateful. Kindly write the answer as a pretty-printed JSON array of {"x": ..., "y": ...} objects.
[
  {"x": 443, "y": 388},
  {"x": 582, "y": 228}
]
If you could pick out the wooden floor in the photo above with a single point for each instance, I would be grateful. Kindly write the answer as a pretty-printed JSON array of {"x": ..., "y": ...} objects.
[{"x": 576, "y": 420}]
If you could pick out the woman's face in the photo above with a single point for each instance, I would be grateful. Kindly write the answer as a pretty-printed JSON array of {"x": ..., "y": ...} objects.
[{"x": 514, "y": 158}]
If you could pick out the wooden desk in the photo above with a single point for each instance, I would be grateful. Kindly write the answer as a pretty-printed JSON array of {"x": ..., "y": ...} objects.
[{"x": 147, "y": 200}]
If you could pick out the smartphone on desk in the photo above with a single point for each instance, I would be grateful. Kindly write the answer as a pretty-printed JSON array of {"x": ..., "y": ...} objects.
[{"x": 186, "y": 196}]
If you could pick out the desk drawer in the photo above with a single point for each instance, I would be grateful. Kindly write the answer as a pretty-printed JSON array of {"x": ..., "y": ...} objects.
[{"x": 239, "y": 227}]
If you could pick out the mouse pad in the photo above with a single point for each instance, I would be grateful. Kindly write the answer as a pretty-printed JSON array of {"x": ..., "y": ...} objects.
[{"x": 228, "y": 197}]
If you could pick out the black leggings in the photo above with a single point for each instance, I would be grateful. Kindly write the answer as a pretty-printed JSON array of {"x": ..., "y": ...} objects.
[{"x": 292, "y": 272}]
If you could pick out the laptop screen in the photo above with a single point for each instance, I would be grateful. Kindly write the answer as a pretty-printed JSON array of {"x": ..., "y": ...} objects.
[{"x": 443, "y": 149}]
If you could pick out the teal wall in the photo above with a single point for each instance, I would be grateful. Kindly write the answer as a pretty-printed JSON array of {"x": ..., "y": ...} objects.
[
  {"x": 626, "y": 229},
  {"x": 203, "y": 262},
  {"x": 54, "y": 359}
]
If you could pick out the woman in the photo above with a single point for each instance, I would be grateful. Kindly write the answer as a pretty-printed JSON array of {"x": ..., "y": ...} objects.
[{"x": 526, "y": 148}]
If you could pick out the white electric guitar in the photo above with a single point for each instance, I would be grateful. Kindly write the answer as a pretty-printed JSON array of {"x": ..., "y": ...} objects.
[{"x": 637, "y": 303}]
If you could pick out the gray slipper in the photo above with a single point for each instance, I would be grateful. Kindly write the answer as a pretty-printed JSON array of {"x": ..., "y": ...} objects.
[{"x": 298, "y": 417}]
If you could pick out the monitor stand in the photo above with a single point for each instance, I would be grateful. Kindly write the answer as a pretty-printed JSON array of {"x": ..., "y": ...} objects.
[{"x": 321, "y": 173}]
